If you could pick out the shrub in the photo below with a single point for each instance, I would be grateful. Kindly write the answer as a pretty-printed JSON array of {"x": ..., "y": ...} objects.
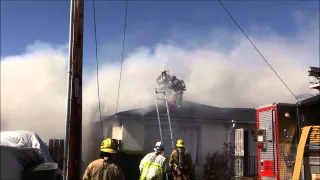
[{"x": 218, "y": 165}]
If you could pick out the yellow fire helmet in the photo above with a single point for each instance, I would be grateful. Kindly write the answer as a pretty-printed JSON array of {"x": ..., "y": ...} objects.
[
  {"x": 107, "y": 146},
  {"x": 180, "y": 143},
  {"x": 163, "y": 70}
]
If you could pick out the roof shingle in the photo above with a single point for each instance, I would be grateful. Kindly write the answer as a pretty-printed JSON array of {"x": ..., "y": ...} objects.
[{"x": 192, "y": 110}]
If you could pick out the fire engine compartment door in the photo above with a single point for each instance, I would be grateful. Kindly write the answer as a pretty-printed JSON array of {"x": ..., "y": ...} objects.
[{"x": 268, "y": 157}]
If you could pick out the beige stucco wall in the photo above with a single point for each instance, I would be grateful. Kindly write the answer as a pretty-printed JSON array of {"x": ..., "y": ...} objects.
[
  {"x": 211, "y": 136},
  {"x": 133, "y": 134}
]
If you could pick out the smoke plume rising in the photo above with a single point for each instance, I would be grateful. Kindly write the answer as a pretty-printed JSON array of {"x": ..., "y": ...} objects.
[{"x": 34, "y": 84}]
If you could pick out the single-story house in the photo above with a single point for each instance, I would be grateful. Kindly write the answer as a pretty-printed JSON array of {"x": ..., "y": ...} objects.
[{"x": 203, "y": 128}]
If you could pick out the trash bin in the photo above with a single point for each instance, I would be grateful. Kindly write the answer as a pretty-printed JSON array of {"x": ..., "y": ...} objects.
[{"x": 47, "y": 171}]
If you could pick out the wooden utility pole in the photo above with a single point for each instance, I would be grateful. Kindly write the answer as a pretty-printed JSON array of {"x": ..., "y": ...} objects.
[{"x": 74, "y": 113}]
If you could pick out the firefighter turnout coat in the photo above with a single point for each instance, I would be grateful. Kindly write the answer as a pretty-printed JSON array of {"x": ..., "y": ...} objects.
[
  {"x": 152, "y": 166},
  {"x": 103, "y": 169},
  {"x": 181, "y": 164}
]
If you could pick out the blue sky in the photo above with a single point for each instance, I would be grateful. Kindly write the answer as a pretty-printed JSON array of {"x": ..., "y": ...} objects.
[{"x": 23, "y": 23}]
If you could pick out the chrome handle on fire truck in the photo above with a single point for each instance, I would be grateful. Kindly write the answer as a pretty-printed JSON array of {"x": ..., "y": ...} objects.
[
  {"x": 287, "y": 135},
  {"x": 273, "y": 138},
  {"x": 289, "y": 160}
]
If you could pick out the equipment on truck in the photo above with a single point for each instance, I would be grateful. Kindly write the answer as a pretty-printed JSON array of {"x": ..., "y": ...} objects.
[
  {"x": 278, "y": 136},
  {"x": 288, "y": 138},
  {"x": 315, "y": 72}
]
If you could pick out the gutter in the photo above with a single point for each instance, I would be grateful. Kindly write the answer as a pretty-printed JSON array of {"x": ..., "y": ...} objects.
[
  {"x": 229, "y": 139},
  {"x": 178, "y": 119}
]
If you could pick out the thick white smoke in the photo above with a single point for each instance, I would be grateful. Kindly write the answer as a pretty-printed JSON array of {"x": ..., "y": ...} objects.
[{"x": 34, "y": 84}]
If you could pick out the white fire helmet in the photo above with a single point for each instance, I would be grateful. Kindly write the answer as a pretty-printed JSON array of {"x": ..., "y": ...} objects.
[{"x": 158, "y": 147}]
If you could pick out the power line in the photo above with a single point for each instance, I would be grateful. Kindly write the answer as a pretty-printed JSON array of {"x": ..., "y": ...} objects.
[
  {"x": 97, "y": 61},
  {"x": 122, "y": 54},
  {"x": 257, "y": 50}
]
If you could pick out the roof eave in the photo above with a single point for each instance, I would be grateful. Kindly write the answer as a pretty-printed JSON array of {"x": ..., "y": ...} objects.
[{"x": 185, "y": 119}]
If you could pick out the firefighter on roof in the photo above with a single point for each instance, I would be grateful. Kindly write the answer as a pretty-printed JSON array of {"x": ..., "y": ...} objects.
[
  {"x": 152, "y": 165},
  {"x": 180, "y": 162},
  {"x": 178, "y": 87},
  {"x": 163, "y": 79},
  {"x": 104, "y": 168}
]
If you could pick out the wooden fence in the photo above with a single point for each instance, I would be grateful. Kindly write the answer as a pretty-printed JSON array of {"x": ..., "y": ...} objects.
[{"x": 56, "y": 149}]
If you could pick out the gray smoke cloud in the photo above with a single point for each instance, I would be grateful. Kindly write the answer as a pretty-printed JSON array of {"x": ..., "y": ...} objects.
[{"x": 34, "y": 84}]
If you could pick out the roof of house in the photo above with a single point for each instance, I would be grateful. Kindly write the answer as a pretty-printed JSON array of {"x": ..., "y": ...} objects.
[{"x": 192, "y": 110}]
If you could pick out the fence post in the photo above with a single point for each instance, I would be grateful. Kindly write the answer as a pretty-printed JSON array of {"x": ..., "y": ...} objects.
[
  {"x": 56, "y": 150},
  {"x": 61, "y": 153},
  {"x": 51, "y": 147}
]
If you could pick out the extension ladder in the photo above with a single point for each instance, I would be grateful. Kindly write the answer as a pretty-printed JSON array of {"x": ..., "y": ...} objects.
[{"x": 164, "y": 120}]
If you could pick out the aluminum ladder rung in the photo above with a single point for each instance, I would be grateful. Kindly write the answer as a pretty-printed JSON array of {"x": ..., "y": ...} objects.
[
  {"x": 164, "y": 124},
  {"x": 165, "y": 130}
]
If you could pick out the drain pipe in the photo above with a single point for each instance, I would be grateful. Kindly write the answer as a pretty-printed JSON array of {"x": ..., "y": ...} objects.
[
  {"x": 229, "y": 139},
  {"x": 230, "y": 130}
]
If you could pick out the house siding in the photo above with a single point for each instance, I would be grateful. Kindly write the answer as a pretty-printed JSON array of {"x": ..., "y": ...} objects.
[
  {"x": 133, "y": 134},
  {"x": 201, "y": 137}
]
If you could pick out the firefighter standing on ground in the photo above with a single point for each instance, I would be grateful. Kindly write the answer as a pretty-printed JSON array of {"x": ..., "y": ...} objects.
[
  {"x": 104, "y": 168},
  {"x": 152, "y": 165},
  {"x": 178, "y": 87},
  {"x": 180, "y": 162}
]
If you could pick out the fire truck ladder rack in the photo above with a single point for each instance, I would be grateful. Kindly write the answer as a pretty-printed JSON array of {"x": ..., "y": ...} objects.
[
  {"x": 164, "y": 120},
  {"x": 315, "y": 72}
]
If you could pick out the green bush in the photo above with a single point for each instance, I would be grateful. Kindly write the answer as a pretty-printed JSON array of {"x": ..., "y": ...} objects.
[{"x": 217, "y": 165}]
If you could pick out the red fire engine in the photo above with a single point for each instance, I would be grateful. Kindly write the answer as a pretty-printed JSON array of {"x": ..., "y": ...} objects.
[
  {"x": 288, "y": 138},
  {"x": 278, "y": 135}
]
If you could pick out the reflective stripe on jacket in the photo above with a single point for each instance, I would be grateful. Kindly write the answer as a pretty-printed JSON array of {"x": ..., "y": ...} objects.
[{"x": 152, "y": 166}]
